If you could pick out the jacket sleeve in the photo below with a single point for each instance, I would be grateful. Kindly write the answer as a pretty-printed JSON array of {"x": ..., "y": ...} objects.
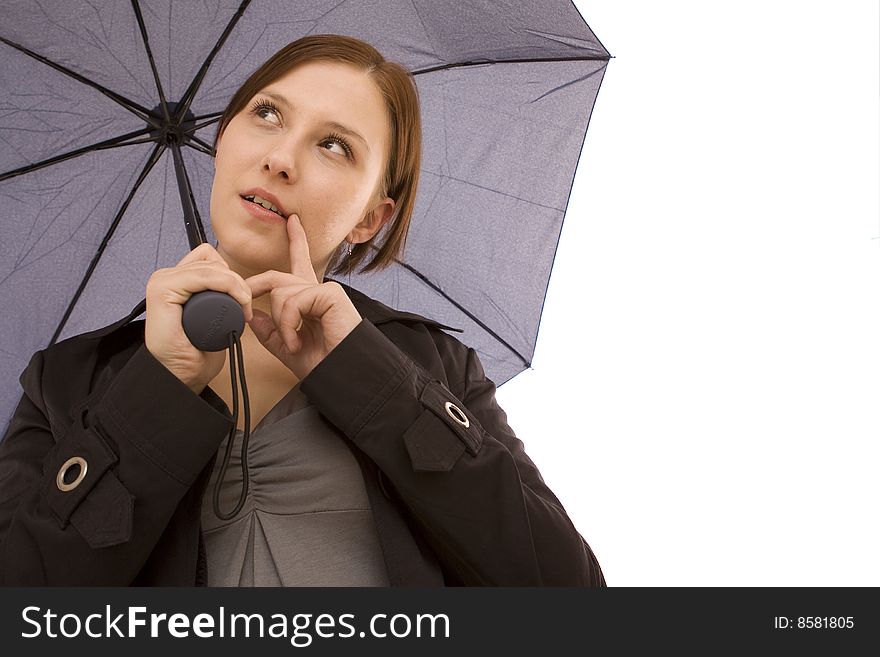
[
  {"x": 454, "y": 461},
  {"x": 143, "y": 442}
]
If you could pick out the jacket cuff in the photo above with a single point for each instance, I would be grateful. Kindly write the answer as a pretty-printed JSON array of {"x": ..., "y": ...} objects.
[
  {"x": 382, "y": 367},
  {"x": 154, "y": 410}
]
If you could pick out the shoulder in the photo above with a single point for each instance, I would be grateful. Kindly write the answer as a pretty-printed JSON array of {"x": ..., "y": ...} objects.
[
  {"x": 65, "y": 374},
  {"x": 380, "y": 313},
  {"x": 425, "y": 340},
  {"x": 108, "y": 343}
]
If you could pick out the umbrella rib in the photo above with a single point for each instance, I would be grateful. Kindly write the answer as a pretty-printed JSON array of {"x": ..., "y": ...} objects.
[
  {"x": 464, "y": 310},
  {"x": 154, "y": 157},
  {"x": 494, "y": 191},
  {"x": 213, "y": 119},
  {"x": 492, "y": 62},
  {"x": 190, "y": 93},
  {"x": 207, "y": 148},
  {"x": 132, "y": 142},
  {"x": 130, "y": 105},
  {"x": 203, "y": 147},
  {"x": 568, "y": 84},
  {"x": 114, "y": 142},
  {"x": 143, "y": 28}
]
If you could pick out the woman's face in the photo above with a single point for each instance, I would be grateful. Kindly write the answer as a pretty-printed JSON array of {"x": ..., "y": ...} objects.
[{"x": 316, "y": 141}]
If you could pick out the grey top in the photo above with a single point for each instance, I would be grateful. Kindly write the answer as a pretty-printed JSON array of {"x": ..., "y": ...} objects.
[{"x": 306, "y": 520}]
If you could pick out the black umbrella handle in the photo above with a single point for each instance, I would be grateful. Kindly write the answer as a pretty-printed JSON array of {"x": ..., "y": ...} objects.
[
  {"x": 208, "y": 319},
  {"x": 214, "y": 321}
]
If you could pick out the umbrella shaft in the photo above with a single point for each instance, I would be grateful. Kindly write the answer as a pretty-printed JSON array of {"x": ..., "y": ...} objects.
[{"x": 193, "y": 227}]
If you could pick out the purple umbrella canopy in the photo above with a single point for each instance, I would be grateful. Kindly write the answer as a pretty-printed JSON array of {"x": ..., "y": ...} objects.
[{"x": 109, "y": 112}]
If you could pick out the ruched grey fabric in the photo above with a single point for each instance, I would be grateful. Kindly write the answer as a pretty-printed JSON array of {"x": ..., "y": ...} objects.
[{"x": 306, "y": 520}]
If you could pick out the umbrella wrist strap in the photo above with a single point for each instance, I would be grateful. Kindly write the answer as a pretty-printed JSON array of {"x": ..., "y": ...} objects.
[{"x": 235, "y": 360}]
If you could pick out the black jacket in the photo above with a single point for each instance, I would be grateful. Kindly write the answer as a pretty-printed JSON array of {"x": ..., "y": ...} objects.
[{"x": 455, "y": 498}]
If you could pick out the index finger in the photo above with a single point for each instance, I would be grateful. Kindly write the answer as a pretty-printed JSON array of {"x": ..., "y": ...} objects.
[
  {"x": 300, "y": 256},
  {"x": 203, "y": 252}
]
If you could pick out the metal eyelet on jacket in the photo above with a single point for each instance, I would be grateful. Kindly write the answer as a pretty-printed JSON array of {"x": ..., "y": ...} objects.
[
  {"x": 69, "y": 463},
  {"x": 456, "y": 414}
]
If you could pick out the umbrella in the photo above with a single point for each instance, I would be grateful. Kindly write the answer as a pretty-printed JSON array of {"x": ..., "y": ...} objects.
[{"x": 109, "y": 111}]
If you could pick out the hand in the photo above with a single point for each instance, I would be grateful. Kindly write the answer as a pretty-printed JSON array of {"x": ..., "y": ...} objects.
[
  {"x": 308, "y": 318},
  {"x": 167, "y": 290}
]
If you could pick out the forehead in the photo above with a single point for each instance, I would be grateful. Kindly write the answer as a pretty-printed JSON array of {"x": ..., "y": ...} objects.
[{"x": 332, "y": 92}]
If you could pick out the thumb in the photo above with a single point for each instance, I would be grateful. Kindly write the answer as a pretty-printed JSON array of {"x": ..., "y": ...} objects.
[
  {"x": 267, "y": 333},
  {"x": 262, "y": 325}
]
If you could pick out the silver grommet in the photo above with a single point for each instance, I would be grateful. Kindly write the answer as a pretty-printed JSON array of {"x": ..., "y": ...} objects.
[
  {"x": 456, "y": 414},
  {"x": 83, "y": 468}
]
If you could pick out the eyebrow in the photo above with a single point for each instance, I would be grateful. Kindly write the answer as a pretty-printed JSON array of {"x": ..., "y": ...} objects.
[{"x": 333, "y": 125}]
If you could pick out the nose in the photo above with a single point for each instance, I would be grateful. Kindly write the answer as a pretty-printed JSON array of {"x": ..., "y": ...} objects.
[{"x": 278, "y": 161}]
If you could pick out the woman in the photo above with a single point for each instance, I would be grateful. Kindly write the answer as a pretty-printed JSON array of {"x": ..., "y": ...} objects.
[{"x": 379, "y": 455}]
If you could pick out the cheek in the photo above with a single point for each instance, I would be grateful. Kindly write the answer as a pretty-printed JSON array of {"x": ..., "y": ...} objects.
[
  {"x": 336, "y": 203},
  {"x": 324, "y": 232},
  {"x": 220, "y": 184}
]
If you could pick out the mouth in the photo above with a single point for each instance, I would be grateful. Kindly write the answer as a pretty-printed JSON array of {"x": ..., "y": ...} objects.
[{"x": 263, "y": 203}]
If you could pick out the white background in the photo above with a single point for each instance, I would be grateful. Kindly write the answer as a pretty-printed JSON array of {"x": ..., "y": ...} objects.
[{"x": 705, "y": 392}]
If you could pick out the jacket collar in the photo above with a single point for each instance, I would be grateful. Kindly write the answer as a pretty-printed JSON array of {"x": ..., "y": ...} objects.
[{"x": 378, "y": 313}]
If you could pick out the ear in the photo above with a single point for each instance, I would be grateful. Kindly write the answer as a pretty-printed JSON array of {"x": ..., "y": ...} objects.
[{"x": 373, "y": 221}]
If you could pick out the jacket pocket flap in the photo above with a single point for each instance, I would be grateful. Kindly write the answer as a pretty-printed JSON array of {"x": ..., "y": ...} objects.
[
  {"x": 440, "y": 400},
  {"x": 430, "y": 445},
  {"x": 77, "y": 464},
  {"x": 106, "y": 516}
]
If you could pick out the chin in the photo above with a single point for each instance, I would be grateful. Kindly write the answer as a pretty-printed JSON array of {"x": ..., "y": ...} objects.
[{"x": 244, "y": 252}]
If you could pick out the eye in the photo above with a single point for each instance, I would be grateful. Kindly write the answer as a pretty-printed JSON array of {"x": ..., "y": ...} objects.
[
  {"x": 341, "y": 142},
  {"x": 261, "y": 108}
]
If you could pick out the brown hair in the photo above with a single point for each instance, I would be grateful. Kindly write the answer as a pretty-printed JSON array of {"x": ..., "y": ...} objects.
[{"x": 397, "y": 86}]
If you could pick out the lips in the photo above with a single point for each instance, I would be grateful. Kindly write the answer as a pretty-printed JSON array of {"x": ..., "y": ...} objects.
[
  {"x": 259, "y": 212},
  {"x": 267, "y": 196}
]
